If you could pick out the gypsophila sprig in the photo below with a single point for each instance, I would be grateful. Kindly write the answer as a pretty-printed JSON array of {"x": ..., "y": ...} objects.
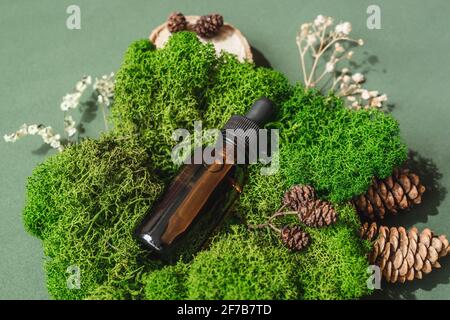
[
  {"x": 46, "y": 133},
  {"x": 104, "y": 90},
  {"x": 72, "y": 100},
  {"x": 322, "y": 40}
]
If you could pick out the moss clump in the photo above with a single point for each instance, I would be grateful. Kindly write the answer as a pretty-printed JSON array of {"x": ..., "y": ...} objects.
[
  {"x": 334, "y": 265},
  {"x": 237, "y": 266},
  {"x": 85, "y": 202},
  {"x": 98, "y": 191},
  {"x": 169, "y": 283},
  {"x": 158, "y": 91},
  {"x": 336, "y": 150},
  {"x": 237, "y": 85}
]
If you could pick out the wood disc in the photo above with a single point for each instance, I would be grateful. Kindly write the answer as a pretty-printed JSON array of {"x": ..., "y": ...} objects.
[{"x": 228, "y": 39}]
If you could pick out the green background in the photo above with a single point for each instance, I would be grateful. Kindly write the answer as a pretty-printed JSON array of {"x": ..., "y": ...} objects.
[{"x": 40, "y": 61}]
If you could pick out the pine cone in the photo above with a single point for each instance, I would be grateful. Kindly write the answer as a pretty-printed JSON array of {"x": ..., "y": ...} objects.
[
  {"x": 404, "y": 255},
  {"x": 209, "y": 25},
  {"x": 317, "y": 213},
  {"x": 294, "y": 237},
  {"x": 176, "y": 22},
  {"x": 397, "y": 192},
  {"x": 297, "y": 196}
]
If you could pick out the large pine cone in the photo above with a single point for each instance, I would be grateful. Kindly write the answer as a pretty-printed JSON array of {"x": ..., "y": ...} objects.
[
  {"x": 209, "y": 25},
  {"x": 399, "y": 191},
  {"x": 176, "y": 22},
  {"x": 404, "y": 255},
  {"x": 294, "y": 237},
  {"x": 297, "y": 196},
  {"x": 317, "y": 213}
]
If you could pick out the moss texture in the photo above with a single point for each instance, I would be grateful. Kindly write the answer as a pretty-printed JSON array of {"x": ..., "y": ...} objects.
[
  {"x": 85, "y": 202},
  {"x": 239, "y": 265},
  {"x": 158, "y": 91},
  {"x": 334, "y": 265},
  {"x": 335, "y": 149},
  {"x": 99, "y": 191}
]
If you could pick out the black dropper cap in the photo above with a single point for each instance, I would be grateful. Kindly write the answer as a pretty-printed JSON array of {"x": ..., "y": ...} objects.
[{"x": 261, "y": 112}]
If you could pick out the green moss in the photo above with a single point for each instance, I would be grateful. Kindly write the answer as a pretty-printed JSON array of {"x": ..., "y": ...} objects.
[
  {"x": 237, "y": 85},
  {"x": 85, "y": 202},
  {"x": 237, "y": 266},
  {"x": 158, "y": 91},
  {"x": 334, "y": 266},
  {"x": 42, "y": 186},
  {"x": 335, "y": 149},
  {"x": 168, "y": 283},
  {"x": 99, "y": 191}
]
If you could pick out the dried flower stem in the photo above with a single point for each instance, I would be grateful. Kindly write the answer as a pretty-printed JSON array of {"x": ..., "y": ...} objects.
[
  {"x": 318, "y": 38},
  {"x": 104, "y": 88}
]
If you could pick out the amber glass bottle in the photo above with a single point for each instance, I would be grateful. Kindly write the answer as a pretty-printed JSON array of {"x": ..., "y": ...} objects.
[{"x": 199, "y": 197}]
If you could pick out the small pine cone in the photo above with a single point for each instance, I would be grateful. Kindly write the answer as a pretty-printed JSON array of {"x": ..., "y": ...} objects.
[
  {"x": 399, "y": 191},
  {"x": 176, "y": 22},
  {"x": 208, "y": 26},
  {"x": 404, "y": 255},
  {"x": 294, "y": 238},
  {"x": 317, "y": 213},
  {"x": 297, "y": 196}
]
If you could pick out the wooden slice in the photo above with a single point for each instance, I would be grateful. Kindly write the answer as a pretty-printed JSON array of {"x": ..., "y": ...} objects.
[{"x": 228, "y": 39}]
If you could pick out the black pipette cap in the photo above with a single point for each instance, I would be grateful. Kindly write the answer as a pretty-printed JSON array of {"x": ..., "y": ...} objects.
[{"x": 262, "y": 111}]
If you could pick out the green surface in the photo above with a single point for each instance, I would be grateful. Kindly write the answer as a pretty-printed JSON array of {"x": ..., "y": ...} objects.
[{"x": 41, "y": 60}]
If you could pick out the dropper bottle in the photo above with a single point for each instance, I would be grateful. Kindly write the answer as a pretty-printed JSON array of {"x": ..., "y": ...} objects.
[{"x": 199, "y": 197}]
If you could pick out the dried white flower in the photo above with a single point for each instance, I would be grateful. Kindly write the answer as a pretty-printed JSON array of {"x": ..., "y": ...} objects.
[
  {"x": 69, "y": 126},
  {"x": 329, "y": 67},
  {"x": 338, "y": 47},
  {"x": 343, "y": 28},
  {"x": 83, "y": 83},
  {"x": 70, "y": 101},
  {"x": 33, "y": 129},
  {"x": 360, "y": 42},
  {"x": 105, "y": 89},
  {"x": 55, "y": 142},
  {"x": 311, "y": 39},
  {"x": 10, "y": 137},
  {"x": 46, "y": 134},
  {"x": 23, "y": 131},
  {"x": 358, "y": 77},
  {"x": 320, "y": 20},
  {"x": 365, "y": 94},
  {"x": 304, "y": 29}
]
